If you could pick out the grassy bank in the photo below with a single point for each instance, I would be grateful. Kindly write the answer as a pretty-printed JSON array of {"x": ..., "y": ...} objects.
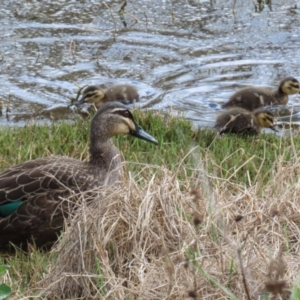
[
  {"x": 198, "y": 215},
  {"x": 230, "y": 157}
]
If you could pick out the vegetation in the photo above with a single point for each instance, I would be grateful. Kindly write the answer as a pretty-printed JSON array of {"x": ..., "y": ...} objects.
[
  {"x": 197, "y": 216},
  {"x": 5, "y": 290},
  {"x": 243, "y": 160}
]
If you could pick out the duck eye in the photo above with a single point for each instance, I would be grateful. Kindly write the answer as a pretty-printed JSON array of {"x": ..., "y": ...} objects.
[{"x": 126, "y": 114}]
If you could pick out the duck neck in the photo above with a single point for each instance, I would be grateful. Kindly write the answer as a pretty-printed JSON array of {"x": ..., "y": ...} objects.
[
  {"x": 279, "y": 91},
  {"x": 104, "y": 154},
  {"x": 279, "y": 96}
]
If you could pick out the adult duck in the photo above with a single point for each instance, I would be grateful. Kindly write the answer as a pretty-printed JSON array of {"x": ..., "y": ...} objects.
[{"x": 33, "y": 193}]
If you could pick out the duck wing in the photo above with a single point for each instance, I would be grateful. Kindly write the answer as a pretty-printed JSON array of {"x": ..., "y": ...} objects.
[{"x": 40, "y": 176}]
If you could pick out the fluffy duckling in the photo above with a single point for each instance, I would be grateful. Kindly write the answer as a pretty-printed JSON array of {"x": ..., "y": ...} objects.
[
  {"x": 96, "y": 95},
  {"x": 254, "y": 97},
  {"x": 240, "y": 121}
]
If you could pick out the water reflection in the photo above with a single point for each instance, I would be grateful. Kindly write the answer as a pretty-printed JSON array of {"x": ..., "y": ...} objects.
[
  {"x": 188, "y": 56},
  {"x": 260, "y": 5}
]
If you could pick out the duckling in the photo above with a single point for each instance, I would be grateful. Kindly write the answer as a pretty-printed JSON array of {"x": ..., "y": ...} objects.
[
  {"x": 240, "y": 121},
  {"x": 124, "y": 93},
  {"x": 33, "y": 193},
  {"x": 254, "y": 97}
]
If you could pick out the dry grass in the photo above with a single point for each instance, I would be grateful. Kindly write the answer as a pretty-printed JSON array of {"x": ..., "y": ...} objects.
[{"x": 198, "y": 238}]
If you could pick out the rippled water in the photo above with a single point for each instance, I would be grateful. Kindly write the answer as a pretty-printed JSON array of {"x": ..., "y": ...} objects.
[{"x": 188, "y": 56}]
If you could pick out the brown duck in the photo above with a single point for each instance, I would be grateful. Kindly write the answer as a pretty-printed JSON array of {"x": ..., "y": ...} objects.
[
  {"x": 32, "y": 194},
  {"x": 240, "y": 121},
  {"x": 254, "y": 97},
  {"x": 124, "y": 93}
]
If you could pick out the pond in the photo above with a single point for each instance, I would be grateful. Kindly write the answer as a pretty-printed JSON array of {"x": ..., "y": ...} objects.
[{"x": 186, "y": 56}]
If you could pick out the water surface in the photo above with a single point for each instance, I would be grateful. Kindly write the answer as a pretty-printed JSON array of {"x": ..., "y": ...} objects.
[{"x": 185, "y": 56}]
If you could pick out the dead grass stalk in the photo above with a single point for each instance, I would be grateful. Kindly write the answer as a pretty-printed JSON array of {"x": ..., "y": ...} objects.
[{"x": 167, "y": 238}]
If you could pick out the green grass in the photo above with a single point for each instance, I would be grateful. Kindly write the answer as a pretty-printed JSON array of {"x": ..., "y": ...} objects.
[
  {"x": 25, "y": 272},
  {"x": 5, "y": 290},
  {"x": 242, "y": 160}
]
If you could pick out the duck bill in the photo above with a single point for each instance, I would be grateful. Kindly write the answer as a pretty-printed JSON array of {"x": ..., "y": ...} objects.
[
  {"x": 79, "y": 102},
  {"x": 143, "y": 135},
  {"x": 274, "y": 129}
]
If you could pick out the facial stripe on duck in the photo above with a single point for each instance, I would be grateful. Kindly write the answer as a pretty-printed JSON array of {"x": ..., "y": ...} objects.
[{"x": 32, "y": 193}]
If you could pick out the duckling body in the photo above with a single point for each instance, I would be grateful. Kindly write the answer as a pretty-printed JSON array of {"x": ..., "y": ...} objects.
[
  {"x": 124, "y": 93},
  {"x": 32, "y": 193},
  {"x": 240, "y": 121},
  {"x": 252, "y": 98}
]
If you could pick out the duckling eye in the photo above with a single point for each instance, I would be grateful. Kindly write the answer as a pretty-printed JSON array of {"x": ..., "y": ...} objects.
[{"x": 126, "y": 113}]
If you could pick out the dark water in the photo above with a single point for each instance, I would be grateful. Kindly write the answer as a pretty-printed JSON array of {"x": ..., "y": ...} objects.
[{"x": 185, "y": 56}]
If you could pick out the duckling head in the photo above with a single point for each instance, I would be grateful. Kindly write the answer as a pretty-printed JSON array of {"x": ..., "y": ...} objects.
[
  {"x": 114, "y": 118},
  {"x": 93, "y": 95},
  {"x": 265, "y": 118},
  {"x": 289, "y": 86}
]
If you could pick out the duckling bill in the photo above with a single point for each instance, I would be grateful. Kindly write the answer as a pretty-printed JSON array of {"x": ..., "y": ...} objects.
[
  {"x": 33, "y": 193},
  {"x": 253, "y": 97},
  {"x": 240, "y": 121},
  {"x": 124, "y": 93}
]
